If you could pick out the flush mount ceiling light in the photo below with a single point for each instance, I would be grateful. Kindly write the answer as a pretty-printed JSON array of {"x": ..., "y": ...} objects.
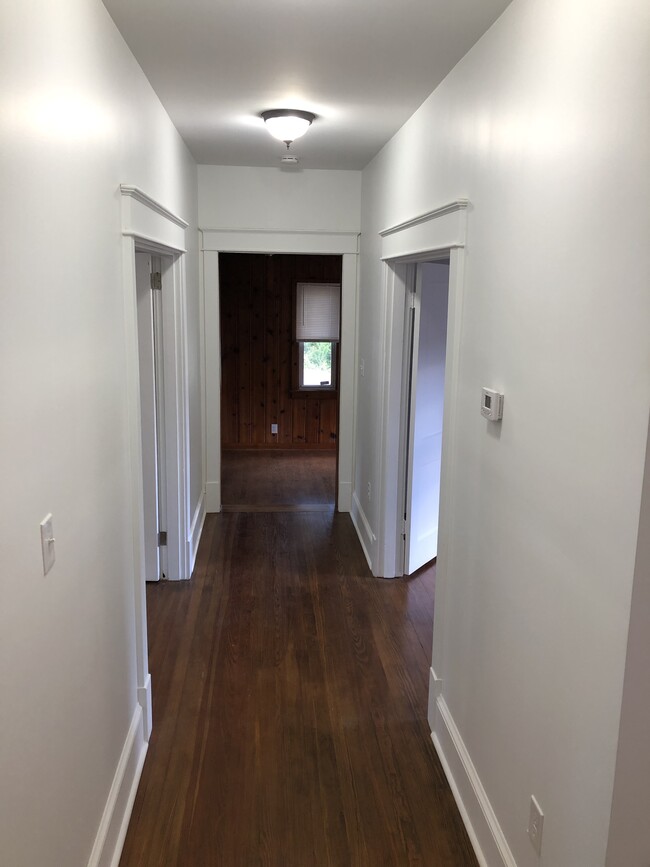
[{"x": 287, "y": 124}]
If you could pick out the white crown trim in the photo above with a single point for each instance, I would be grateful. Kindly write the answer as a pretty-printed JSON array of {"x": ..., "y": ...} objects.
[
  {"x": 140, "y": 196},
  {"x": 450, "y": 208}
]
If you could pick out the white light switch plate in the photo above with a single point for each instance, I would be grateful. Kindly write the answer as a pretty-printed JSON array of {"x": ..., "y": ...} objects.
[{"x": 47, "y": 543}]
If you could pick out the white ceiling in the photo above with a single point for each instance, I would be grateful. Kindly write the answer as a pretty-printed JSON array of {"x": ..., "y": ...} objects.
[{"x": 363, "y": 66}]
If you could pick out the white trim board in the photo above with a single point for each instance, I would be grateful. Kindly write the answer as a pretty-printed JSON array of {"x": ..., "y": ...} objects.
[
  {"x": 147, "y": 244},
  {"x": 270, "y": 241},
  {"x": 443, "y": 228},
  {"x": 344, "y": 244},
  {"x": 145, "y": 701},
  {"x": 480, "y": 820},
  {"x": 151, "y": 204},
  {"x": 112, "y": 830},
  {"x": 363, "y": 528},
  {"x": 196, "y": 529},
  {"x": 435, "y": 690},
  {"x": 435, "y": 213}
]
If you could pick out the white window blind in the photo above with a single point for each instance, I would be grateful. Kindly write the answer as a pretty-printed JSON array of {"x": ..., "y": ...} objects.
[{"x": 317, "y": 311}]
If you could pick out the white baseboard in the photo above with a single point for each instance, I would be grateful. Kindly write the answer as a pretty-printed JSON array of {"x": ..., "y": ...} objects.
[
  {"x": 213, "y": 496},
  {"x": 117, "y": 812},
  {"x": 344, "y": 503},
  {"x": 363, "y": 528},
  {"x": 196, "y": 529},
  {"x": 145, "y": 702},
  {"x": 435, "y": 688},
  {"x": 482, "y": 826}
]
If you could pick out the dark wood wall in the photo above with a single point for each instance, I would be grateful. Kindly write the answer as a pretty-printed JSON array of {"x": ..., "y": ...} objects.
[{"x": 257, "y": 357}]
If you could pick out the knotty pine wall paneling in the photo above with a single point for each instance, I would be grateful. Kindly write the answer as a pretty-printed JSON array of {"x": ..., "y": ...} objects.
[
  {"x": 281, "y": 271},
  {"x": 258, "y": 361},
  {"x": 258, "y": 356},
  {"x": 229, "y": 354}
]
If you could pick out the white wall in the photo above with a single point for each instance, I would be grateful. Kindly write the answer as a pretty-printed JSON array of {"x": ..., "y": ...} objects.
[
  {"x": 77, "y": 118},
  {"x": 629, "y": 841},
  {"x": 543, "y": 126},
  {"x": 236, "y": 197}
]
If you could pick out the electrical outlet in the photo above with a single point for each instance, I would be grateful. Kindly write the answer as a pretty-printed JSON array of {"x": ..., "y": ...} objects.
[
  {"x": 47, "y": 543},
  {"x": 535, "y": 825},
  {"x": 274, "y": 428}
]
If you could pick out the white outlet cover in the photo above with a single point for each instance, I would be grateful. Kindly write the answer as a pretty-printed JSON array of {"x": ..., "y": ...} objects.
[{"x": 47, "y": 544}]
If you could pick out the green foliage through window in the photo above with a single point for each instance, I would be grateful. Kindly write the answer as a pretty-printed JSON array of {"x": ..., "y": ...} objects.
[
  {"x": 318, "y": 356},
  {"x": 316, "y": 363}
]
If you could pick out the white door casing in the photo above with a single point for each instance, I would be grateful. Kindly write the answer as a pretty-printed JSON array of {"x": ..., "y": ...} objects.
[
  {"x": 439, "y": 233},
  {"x": 149, "y": 227},
  {"x": 148, "y": 419},
  {"x": 344, "y": 244}
]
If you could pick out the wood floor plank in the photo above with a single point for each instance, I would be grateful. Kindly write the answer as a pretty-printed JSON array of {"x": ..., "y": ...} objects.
[
  {"x": 278, "y": 477},
  {"x": 290, "y": 697}
]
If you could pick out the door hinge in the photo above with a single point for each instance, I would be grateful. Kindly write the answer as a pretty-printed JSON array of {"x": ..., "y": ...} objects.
[
  {"x": 156, "y": 280},
  {"x": 404, "y": 528},
  {"x": 162, "y": 538}
]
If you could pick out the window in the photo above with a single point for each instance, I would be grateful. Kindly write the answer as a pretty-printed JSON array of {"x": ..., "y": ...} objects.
[
  {"x": 317, "y": 364},
  {"x": 317, "y": 335}
]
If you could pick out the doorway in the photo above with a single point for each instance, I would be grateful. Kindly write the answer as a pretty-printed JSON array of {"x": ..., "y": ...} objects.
[
  {"x": 214, "y": 242},
  {"x": 426, "y": 343},
  {"x": 149, "y": 227},
  {"x": 162, "y": 449},
  {"x": 280, "y": 343}
]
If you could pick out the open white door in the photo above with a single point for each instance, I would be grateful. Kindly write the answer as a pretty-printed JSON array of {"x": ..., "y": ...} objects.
[{"x": 429, "y": 342}]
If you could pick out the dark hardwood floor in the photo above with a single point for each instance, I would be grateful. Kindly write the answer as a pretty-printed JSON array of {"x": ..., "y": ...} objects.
[
  {"x": 290, "y": 693},
  {"x": 277, "y": 477}
]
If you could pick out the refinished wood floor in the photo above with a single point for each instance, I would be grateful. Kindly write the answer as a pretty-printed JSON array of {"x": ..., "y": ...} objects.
[
  {"x": 290, "y": 693},
  {"x": 277, "y": 477}
]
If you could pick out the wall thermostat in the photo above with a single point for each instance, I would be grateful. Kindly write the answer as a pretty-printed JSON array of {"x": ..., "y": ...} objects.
[{"x": 492, "y": 404}]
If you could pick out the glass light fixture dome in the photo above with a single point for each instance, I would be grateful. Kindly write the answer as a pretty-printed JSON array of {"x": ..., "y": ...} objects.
[{"x": 287, "y": 124}]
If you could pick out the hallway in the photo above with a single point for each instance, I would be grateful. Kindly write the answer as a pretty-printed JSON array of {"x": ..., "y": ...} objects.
[{"x": 290, "y": 694}]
